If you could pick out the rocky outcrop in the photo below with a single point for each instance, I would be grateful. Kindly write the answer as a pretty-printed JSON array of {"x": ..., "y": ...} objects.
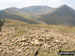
[{"x": 35, "y": 42}]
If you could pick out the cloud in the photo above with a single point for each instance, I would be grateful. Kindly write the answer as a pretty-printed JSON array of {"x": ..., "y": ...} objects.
[
  {"x": 25, "y": 3},
  {"x": 19, "y": 3},
  {"x": 56, "y": 3}
]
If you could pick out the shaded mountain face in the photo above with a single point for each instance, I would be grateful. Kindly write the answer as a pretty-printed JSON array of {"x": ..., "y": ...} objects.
[
  {"x": 15, "y": 11},
  {"x": 63, "y": 15},
  {"x": 36, "y": 9},
  {"x": 64, "y": 10},
  {"x": 5, "y": 15}
]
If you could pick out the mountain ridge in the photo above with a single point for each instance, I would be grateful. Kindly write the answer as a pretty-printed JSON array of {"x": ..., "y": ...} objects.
[
  {"x": 35, "y": 9},
  {"x": 63, "y": 15}
]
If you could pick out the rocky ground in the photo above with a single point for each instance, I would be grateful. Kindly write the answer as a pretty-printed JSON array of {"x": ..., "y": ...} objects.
[{"x": 34, "y": 41}]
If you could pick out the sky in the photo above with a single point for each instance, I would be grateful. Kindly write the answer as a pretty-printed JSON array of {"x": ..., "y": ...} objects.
[{"x": 25, "y": 3}]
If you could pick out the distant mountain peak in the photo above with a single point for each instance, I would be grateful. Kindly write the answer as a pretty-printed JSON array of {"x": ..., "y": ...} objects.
[
  {"x": 65, "y": 6},
  {"x": 12, "y": 8},
  {"x": 64, "y": 9},
  {"x": 36, "y": 9},
  {"x": 38, "y": 6},
  {"x": 63, "y": 15}
]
